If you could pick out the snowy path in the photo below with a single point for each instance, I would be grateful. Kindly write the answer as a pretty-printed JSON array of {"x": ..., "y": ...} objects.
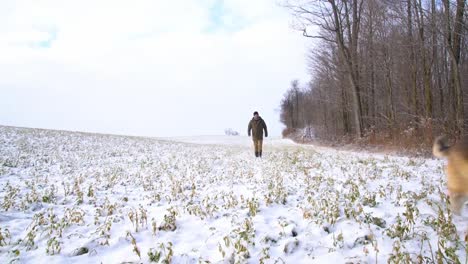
[{"x": 207, "y": 199}]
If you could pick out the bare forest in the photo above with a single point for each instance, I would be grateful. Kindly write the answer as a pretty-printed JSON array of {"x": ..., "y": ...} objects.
[{"x": 385, "y": 71}]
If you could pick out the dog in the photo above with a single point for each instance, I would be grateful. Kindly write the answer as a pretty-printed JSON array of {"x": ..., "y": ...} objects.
[{"x": 456, "y": 170}]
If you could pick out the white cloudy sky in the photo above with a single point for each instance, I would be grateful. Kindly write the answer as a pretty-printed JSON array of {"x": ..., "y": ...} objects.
[{"x": 146, "y": 67}]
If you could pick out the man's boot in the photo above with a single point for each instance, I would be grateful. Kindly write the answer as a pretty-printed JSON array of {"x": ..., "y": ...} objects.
[
  {"x": 256, "y": 154},
  {"x": 260, "y": 154}
]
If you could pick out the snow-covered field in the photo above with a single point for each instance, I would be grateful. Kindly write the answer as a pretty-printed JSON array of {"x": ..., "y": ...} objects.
[{"x": 83, "y": 198}]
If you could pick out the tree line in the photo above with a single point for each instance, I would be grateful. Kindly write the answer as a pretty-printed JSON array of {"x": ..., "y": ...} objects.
[{"x": 380, "y": 67}]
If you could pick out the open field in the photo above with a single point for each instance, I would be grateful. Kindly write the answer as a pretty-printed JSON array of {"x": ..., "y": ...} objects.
[{"x": 87, "y": 198}]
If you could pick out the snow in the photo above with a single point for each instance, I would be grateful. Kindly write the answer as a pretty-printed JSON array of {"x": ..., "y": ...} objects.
[
  {"x": 230, "y": 140},
  {"x": 200, "y": 199}
]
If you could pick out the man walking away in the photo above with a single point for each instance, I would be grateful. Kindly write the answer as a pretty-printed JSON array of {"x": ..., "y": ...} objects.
[{"x": 257, "y": 125}]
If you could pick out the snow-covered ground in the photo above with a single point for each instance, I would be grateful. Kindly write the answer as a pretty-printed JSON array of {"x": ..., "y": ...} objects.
[
  {"x": 70, "y": 197},
  {"x": 230, "y": 140}
]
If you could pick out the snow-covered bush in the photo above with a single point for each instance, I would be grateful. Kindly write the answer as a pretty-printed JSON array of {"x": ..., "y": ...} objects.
[{"x": 230, "y": 132}]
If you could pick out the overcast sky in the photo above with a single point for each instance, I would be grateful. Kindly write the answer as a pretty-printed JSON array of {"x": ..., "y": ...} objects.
[{"x": 146, "y": 67}]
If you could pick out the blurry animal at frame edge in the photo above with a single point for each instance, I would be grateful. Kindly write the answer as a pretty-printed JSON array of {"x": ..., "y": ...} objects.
[{"x": 456, "y": 169}]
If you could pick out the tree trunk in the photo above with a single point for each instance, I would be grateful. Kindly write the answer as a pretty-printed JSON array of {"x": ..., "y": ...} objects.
[
  {"x": 413, "y": 83},
  {"x": 426, "y": 68},
  {"x": 435, "y": 58},
  {"x": 454, "y": 50},
  {"x": 349, "y": 64},
  {"x": 389, "y": 85}
]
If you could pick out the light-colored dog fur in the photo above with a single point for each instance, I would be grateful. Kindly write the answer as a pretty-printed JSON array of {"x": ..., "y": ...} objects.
[{"x": 456, "y": 170}]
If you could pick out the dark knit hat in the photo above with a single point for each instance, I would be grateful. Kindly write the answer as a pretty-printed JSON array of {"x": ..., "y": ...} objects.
[{"x": 255, "y": 113}]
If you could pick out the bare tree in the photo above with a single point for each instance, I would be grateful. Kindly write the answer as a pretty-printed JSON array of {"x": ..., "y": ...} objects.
[
  {"x": 339, "y": 22},
  {"x": 393, "y": 67},
  {"x": 453, "y": 41}
]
